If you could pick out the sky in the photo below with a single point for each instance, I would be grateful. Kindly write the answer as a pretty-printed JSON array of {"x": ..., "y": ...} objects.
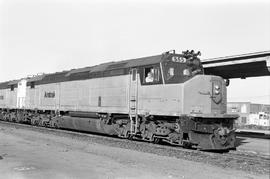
[{"x": 45, "y": 36}]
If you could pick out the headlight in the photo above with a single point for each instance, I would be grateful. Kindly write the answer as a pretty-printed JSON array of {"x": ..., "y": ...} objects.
[
  {"x": 217, "y": 92},
  {"x": 216, "y": 89}
]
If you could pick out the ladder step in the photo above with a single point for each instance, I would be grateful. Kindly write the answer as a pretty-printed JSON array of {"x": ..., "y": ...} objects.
[{"x": 133, "y": 123}]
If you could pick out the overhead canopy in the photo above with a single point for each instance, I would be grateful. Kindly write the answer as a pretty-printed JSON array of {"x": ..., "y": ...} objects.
[{"x": 239, "y": 66}]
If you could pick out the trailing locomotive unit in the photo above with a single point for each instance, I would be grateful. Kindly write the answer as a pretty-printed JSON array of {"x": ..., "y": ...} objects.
[{"x": 158, "y": 98}]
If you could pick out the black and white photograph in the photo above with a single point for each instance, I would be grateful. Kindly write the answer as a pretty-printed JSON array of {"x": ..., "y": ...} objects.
[{"x": 134, "y": 89}]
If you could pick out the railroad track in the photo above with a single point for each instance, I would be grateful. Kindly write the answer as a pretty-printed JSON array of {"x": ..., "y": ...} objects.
[
  {"x": 257, "y": 135},
  {"x": 238, "y": 160}
]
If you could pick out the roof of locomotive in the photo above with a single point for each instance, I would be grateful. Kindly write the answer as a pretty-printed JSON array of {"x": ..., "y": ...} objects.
[
  {"x": 109, "y": 66},
  {"x": 4, "y": 85},
  {"x": 121, "y": 64},
  {"x": 97, "y": 71}
]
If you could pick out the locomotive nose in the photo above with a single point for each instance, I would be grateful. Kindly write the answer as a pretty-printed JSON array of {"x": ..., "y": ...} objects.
[{"x": 205, "y": 95}]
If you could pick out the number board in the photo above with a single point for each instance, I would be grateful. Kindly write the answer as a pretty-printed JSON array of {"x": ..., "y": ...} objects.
[{"x": 179, "y": 59}]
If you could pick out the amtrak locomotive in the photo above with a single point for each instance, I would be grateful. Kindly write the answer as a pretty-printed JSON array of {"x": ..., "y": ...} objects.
[{"x": 164, "y": 98}]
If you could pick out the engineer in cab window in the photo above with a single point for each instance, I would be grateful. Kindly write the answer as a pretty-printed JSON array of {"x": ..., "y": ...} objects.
[{"x": 149, "y": 77}]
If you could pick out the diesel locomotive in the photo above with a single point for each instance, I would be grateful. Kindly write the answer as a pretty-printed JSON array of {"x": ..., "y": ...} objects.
[{"x": 162, "y": 98}]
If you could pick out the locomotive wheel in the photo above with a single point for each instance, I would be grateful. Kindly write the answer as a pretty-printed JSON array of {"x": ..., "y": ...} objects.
[
  {"x": 156, "y": 140},
  {"x": 130, "y": 137},
  {"x": 186, "y": 145},
  {"x": 55, "y": 125}
]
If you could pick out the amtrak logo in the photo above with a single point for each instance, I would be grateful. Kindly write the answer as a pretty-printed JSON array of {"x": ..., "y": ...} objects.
[{"x": 49, "y": 95}]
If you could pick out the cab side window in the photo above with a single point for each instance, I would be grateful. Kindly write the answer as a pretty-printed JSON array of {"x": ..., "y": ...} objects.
[
  {"x": 151, "y": 75},
  {"x": 170, "y": 73}
]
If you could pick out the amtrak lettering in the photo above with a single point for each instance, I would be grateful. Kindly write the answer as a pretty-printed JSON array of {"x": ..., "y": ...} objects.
[
  {"x": 49, "y": 94},
  {"x": 1, "y": 97}
]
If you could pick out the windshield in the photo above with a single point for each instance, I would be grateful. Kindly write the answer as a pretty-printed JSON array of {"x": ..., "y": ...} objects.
[{"x": 178, "y": 69}]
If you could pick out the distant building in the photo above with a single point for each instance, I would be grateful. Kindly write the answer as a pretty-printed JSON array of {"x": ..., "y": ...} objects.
[
  {"x": 250, "y": 113},
  {"x": 260, "y": 119}
]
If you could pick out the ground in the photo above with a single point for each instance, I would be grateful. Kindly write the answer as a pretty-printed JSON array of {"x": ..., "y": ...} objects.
[
  {"x": 30, "y": 154},
  {"x": 254, "y": 145}
]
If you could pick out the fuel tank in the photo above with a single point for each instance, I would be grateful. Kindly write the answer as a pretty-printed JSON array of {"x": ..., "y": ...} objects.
[{"x": 85, "y": 124}]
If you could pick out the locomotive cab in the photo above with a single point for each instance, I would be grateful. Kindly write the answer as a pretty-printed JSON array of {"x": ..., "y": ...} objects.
[
  {"x": 180, "y": 68},
  {"x": 173, "y": 69}
]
